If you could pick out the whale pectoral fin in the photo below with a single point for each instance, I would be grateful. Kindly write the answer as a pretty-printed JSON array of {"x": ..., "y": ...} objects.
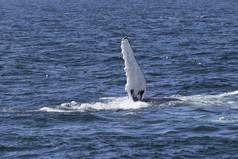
[{"x": 136, "y": 83}]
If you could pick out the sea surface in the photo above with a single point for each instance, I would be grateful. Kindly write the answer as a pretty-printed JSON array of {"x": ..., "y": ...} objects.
[{"x": 62, "y": 83}]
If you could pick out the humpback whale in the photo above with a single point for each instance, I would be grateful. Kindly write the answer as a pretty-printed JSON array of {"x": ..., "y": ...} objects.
[{"x": 136, "y": 82}]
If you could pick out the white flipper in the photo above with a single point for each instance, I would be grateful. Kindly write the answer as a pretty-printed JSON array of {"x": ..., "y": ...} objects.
[{"x": 136, "y": 83}]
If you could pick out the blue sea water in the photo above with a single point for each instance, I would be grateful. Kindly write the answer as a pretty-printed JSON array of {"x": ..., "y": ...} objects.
[{"x": 62, "y": 84}]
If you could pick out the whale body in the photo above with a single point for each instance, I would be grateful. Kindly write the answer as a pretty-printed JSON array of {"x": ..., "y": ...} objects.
[{"x": 136, "y": 82}]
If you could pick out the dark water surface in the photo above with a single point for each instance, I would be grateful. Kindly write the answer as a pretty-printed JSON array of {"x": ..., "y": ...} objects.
[{"x": 62, "y": 80}]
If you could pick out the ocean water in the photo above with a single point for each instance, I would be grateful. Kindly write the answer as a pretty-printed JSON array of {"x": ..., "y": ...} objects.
[{"x": 62, "y": 84}]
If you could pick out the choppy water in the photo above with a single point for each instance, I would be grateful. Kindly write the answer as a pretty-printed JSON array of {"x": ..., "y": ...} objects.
[{"x": 62, "y": 81}]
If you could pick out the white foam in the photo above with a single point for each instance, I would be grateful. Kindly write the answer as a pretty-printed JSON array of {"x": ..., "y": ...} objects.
[
  {"x": 230, "y": 93},
  {"x": 229, "y": 99},
  {"x": 109, "y": 103},
  {"x": 225, "y": 119},
  {"x": 201, "y": 16},
  {"x": 224, "y": 99},
  {"x": 9, "y": 110},
  {"x": 47, "y": 109}
]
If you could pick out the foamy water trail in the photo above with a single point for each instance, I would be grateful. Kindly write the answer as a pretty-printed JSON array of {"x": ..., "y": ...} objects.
[
  {"x": 225, "y": 103},
  {"x": 124, "y": 103},
  {"x": 229, "y": 99},
  {"x": 108, "y": 103}
]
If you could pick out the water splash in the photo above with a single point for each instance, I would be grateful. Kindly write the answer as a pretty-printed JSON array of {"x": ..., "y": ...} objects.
[
  {"x": 228, "y": 100},
  {"x": 108, "y": 103}
]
